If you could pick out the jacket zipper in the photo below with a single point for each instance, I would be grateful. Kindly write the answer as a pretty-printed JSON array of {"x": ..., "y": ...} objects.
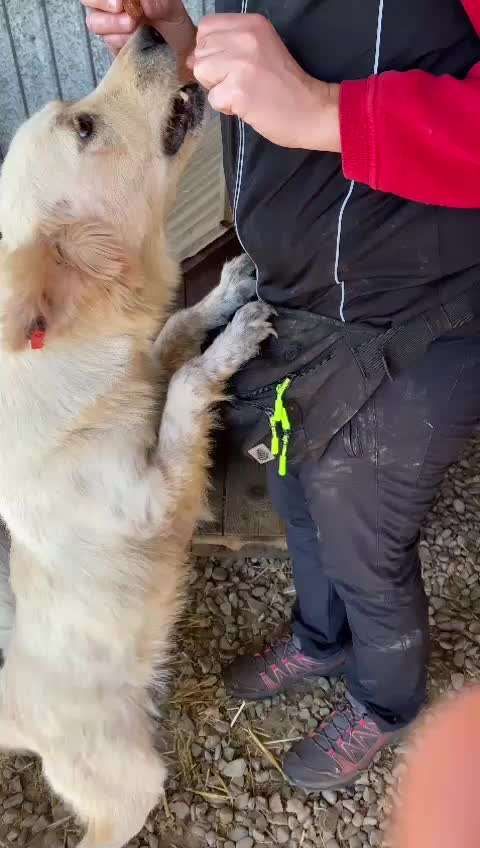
[
  {"x": 239, "y": 176},
  {"x": 307, "y": 369}
]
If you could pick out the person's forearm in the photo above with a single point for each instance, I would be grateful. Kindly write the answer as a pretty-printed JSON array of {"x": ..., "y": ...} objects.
[
  {"x": 326, "y": 119},
  {"x": 414, "y": 135}
]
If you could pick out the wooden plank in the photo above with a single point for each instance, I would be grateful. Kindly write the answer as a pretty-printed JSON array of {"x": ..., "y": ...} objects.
[
  {"x": 248, "y": 511},
  {"x": 248, "y": 523},
  {"x": 223, "y": 248},
  {"x": 198, "y": 217},
  {"x": 228, "y": 546},
  {"x": 202, "y": 273}
]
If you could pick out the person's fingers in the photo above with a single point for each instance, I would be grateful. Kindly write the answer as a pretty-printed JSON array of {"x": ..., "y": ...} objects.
[
  {"x": 219, "y": 37},
  {"x": 215, "y": 42},
  {"x": 180, "y": 35},
  {"x": 105, "y": 18},
  {"x": 175, "y": 25},
  {"x": 115, "y": 42},
  {"x": 212, "y": 70},
  {"x": 162, "y": 10},
  {"x": 114, "y": 6},
  {"x": 101, "y": 23},
  {"x": 214, "y": 23},
  {"x": 221, "y": 98}
]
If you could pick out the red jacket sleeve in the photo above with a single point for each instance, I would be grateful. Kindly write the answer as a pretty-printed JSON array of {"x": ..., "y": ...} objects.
[{"x": 415, "y": 135}]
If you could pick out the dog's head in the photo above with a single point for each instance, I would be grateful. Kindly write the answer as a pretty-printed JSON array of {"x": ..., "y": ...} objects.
[{"x": 86, "y": 187}]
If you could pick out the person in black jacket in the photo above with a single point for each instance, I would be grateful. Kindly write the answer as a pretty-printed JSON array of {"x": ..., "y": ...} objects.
[{"x": 329, "y": 246}]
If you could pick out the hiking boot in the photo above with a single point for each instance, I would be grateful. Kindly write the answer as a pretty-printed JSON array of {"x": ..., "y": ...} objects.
[
  {"x": 339, "y": 751},
  {"x": 279, "y": 667}
]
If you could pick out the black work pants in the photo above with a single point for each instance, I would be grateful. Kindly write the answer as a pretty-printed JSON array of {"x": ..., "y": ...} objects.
[{"x": 353, "y": 519}]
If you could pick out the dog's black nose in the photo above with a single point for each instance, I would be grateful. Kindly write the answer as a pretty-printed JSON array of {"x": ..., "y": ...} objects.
[{"x": 149, "y": 38}]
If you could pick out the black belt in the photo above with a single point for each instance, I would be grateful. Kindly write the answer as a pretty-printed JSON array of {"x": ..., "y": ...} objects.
[
  {"x": 334, "y": 368},
  {"x": 401, "y": 346}
]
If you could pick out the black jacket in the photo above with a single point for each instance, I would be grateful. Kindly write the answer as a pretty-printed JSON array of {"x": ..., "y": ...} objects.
[{"x": 396, "y": 257}]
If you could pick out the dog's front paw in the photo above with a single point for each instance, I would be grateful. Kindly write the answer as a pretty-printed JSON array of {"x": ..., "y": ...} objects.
[
  {"x": 250, "y": 326},
  {"x": 240, "y": 341},
  {"x": 238, "y": 282}
]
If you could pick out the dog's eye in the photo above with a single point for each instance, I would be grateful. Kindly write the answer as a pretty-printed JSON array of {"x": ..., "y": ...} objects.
[{"x": 85, "y": 126}]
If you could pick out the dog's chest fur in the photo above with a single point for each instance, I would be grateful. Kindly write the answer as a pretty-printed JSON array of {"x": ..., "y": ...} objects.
[{"x": 43, "y": 397}]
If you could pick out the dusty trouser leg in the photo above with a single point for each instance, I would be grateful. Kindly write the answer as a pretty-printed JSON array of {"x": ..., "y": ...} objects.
[
  {"x": 368, "y": 496},
  {"x": 319, "y": 625},
  {"x": 319, "y": 617}
]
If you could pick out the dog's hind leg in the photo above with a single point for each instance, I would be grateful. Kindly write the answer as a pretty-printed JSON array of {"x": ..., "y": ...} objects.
[
  {"x": 185, "y": 331},
  {"x": 116, "y": 812},
  {"x": 11, "y": 738},
  {"x": 7, "y": 601},
  {"x": 116, "y": 827},
  {"x": 112, "y": 788}
]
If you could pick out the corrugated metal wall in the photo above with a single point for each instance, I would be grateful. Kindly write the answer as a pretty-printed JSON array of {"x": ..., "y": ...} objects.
[{"x": 46, "y": 53}]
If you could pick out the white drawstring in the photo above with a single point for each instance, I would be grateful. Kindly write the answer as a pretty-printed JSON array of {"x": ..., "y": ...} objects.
[
  {"x": 239, "y": 175},
  {"x": 339, "y": 282}
]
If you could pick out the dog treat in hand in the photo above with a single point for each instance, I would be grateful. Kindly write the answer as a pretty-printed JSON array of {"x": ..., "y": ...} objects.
[{"x": 133, "y": 8}]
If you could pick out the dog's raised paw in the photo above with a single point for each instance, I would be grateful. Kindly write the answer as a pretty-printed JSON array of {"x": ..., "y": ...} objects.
[
  {"x": 241, "y": 265},
  {"x": 238, "y": 281},
  {"x": 240, "y": 341},
  {"x": 251, "y": 325}
]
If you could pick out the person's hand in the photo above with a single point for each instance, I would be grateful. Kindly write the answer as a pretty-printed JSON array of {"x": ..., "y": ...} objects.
[
  {"x": 438, "y": 794},
  {"x": 107, "y": 18},
  {"x": 248, "y": 71}
]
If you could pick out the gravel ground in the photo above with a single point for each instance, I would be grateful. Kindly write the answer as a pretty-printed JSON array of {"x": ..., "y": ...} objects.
[{"x": 227, "y": 789}]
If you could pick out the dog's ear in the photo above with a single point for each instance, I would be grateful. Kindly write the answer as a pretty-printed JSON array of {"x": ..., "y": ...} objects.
[{"x": 69, "y": 267}]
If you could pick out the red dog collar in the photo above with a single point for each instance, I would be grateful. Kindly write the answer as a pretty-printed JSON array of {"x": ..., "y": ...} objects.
[
  {"x": 37, "y": 339},
  {"x": 37, "y": 333}
]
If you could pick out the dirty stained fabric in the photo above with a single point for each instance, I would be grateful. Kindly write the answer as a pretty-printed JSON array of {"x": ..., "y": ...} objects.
[
  {"x": 319, "y": 241},
  {"x": 335, "y": 247},
  {"x": 353, "y": 519}
]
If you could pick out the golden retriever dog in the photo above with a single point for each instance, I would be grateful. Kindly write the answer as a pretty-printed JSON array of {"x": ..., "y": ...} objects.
[{"x": 105, "y": 415}]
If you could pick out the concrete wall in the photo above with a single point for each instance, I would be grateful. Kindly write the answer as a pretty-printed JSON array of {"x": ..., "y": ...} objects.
[{"x": 46, "y": 53}]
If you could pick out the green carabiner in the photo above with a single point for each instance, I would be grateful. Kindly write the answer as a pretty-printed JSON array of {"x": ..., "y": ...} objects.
[
  {"x": 280, "y": 417},
  {"x": 275, "y": 445},
  {"x": 282, "y": 462}
]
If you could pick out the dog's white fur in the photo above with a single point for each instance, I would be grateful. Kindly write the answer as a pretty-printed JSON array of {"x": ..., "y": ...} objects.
[{"x": 103, "y": 437}]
